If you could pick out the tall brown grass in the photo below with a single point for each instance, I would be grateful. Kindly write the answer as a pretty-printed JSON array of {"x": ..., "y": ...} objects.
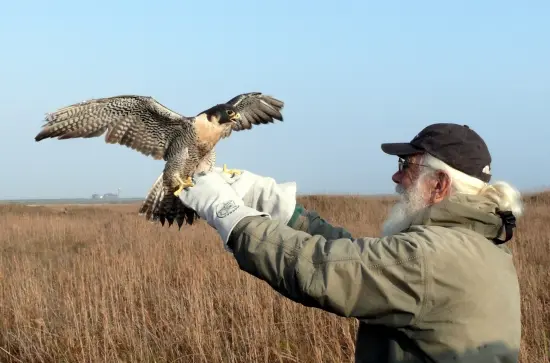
[{"x": 98, "y": 284}]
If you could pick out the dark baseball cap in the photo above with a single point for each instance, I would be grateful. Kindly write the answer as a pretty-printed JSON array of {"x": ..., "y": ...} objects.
[{"x": 456, "y": 145}]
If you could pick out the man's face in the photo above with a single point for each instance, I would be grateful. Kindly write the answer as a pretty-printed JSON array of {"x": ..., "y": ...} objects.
[
  {"x": 408, "y": 173},
  {"x": 414, "y": 189}
]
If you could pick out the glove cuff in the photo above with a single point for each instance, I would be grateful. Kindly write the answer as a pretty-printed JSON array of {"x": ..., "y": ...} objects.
[
  {"x": 289, "y": 188},
  {"x": 232, "y": 214},
  {"x": 280, "y": 201}
]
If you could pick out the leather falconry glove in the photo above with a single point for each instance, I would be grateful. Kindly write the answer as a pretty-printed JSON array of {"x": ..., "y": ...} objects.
[
  {"x": 263, "y": 193},
  {"x": 217, "y": 203}
]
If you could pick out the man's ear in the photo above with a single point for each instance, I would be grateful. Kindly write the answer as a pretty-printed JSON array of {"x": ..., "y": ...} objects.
[{"x": 441, "y": 186}]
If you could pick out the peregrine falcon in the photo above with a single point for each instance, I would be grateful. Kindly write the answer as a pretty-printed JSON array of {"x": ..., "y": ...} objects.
[{"x": 186, "y": 144}]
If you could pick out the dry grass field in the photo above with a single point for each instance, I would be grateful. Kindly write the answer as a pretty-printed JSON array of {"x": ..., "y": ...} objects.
[{"x": 98, "y": 284}]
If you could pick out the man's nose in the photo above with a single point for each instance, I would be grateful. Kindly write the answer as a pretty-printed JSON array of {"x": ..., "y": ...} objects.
[{"x": 397, "y": 177}]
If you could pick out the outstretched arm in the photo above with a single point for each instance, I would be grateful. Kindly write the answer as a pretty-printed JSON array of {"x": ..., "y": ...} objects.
[{"x": 379, "y": 279}]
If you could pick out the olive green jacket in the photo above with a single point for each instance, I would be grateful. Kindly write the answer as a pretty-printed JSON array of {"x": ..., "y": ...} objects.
[{"x": 441, "y": 291}]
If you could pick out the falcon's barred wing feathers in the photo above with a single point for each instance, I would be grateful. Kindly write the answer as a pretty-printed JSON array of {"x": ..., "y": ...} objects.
[
  {"x": 255, "y": 108},
  {"x": 138, "y": 122}
]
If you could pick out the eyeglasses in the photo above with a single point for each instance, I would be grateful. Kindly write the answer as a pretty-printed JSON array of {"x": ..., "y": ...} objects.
[{"x": 404, "y": 164}]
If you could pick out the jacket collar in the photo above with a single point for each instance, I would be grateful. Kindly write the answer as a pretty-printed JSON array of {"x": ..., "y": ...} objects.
[{"x": 473, "y": 212}]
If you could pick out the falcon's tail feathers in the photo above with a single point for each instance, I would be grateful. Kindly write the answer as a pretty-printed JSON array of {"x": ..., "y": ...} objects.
[{"x": 162, "y": 205}]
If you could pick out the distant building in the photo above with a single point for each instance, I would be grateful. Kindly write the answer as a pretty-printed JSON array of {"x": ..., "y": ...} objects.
[{"x": 107, "y": 195}]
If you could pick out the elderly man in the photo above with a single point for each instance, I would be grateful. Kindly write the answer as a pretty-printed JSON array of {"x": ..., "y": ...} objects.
[{"x": 438, "y": 286}]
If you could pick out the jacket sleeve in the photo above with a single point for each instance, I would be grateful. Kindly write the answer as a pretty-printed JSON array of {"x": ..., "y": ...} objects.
[{"x": 378, "y": 280}]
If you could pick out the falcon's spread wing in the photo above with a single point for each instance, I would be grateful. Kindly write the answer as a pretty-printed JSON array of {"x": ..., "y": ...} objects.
[
  {"x": 138, "y": 122},
  {"x": 255, "y": 108}
]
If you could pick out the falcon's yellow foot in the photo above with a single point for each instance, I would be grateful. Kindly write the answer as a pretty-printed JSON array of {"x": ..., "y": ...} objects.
[
  {"x": 184, "y": 184},
  {"x": 231, "y": 171}
]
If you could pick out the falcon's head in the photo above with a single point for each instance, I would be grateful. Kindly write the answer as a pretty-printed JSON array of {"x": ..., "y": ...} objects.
[{"x": 222, "y": 114}]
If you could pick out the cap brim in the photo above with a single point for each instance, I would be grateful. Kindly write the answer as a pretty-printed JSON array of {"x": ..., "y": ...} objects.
[{"x": 400, "y": 149}]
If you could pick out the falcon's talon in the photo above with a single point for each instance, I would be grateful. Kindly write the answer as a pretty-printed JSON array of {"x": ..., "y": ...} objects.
[
  {"x": 187, "y": 183},
  {"x": 233, "y": 172}
]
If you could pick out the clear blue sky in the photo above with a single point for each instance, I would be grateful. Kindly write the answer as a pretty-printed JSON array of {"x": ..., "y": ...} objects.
[{"x": 353, "y": 74}]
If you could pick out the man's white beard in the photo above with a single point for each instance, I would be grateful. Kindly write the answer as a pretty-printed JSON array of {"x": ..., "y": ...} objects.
[{"x": 403, "y": 212}]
